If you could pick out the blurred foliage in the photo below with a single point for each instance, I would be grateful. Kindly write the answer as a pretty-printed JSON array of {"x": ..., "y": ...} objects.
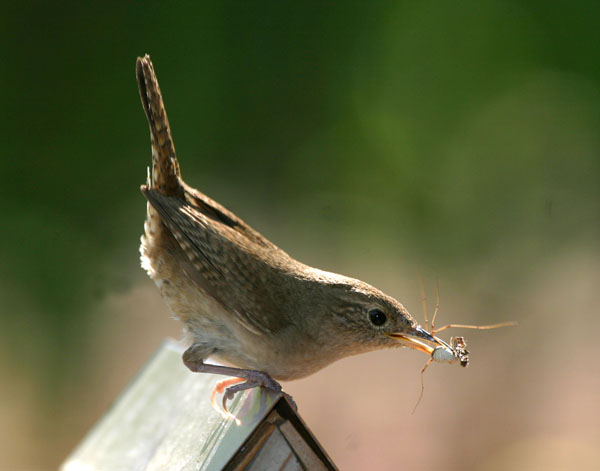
[{"x": 449, "y": 131}]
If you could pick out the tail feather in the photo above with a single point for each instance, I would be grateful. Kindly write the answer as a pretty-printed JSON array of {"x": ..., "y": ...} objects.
[{"x": 165, "y": 168}]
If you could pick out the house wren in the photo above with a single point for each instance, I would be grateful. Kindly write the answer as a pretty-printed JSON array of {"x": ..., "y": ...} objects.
[{"x": 243, "y": 300}]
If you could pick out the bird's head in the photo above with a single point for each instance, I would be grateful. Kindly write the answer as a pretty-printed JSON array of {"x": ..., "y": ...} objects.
[{"x": 357, "y": 317}]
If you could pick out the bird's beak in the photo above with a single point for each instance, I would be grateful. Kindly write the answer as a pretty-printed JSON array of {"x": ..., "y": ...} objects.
[{"x": 412, "y": 339}]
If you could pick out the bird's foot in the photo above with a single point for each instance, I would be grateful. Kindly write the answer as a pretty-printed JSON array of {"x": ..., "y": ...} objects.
[
  {"x": 240, "y": 380},
  {"x": 253, "y": 379},
  {"x": 262, "y": 380},
  {"x": 220, "y": 387}
]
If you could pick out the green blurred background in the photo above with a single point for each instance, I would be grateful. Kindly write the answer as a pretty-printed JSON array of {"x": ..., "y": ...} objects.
[{"x": 376, "y": 139}]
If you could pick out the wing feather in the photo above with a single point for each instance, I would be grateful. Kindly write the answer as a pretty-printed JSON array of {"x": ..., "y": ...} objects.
[{"x": 226, "y": 255}]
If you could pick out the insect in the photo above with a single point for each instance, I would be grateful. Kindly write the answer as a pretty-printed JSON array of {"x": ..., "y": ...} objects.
[{"x": 456, "y": 351}]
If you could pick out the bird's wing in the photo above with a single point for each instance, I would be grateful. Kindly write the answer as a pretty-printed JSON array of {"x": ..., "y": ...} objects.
[
  {"x": 227, "y": 256},
  {"x": 215, "y": 211}
]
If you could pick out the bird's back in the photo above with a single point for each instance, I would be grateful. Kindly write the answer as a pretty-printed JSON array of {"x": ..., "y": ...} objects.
[{"x": 196, "y": 250}]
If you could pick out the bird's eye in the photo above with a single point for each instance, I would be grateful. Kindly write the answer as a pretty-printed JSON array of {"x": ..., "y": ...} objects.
[{"x": 377, "y": 316}]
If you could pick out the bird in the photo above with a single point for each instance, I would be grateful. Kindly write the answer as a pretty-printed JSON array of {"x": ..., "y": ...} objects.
[{"x": 243, "y": 301}]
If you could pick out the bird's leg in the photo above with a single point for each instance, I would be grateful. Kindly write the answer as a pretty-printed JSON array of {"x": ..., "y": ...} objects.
[
  {"x": 253, "y": 377},
  {"x": 194, "y": 358}
]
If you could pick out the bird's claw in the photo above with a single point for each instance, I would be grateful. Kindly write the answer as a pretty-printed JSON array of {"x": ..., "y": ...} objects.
[{"x": 229, "y": 390}]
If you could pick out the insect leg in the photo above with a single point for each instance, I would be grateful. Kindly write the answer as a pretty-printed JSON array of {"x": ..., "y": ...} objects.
[
  {"x": 422, "y": 384},
  {"x": 478, "y": 327}
]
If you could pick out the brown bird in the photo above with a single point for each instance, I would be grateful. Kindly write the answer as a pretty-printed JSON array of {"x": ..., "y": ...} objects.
[{"x": 243, "y": 300}]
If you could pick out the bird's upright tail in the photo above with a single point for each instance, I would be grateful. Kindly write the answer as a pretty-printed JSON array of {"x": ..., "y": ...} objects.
[{"x": 165, "y": 168}]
